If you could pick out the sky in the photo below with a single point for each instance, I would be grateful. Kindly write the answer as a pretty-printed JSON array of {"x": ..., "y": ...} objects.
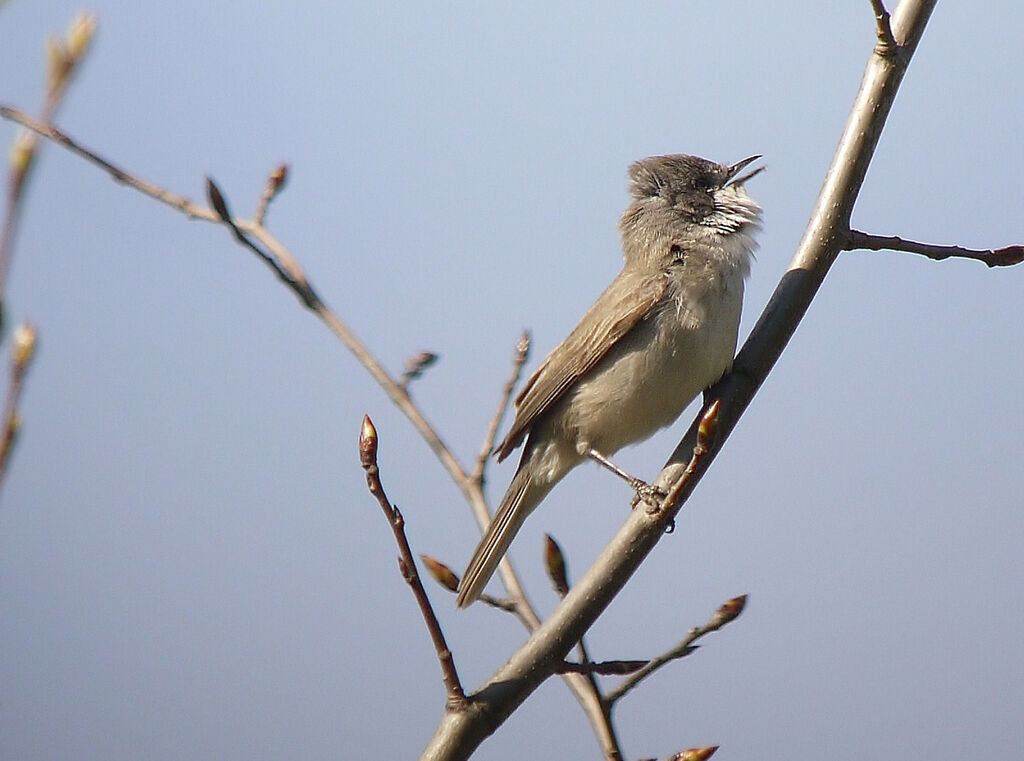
[{"x": 190, "y": 563}]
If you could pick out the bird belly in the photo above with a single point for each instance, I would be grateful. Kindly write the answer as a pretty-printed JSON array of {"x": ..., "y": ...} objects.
[{"x": 653, "y": 374}]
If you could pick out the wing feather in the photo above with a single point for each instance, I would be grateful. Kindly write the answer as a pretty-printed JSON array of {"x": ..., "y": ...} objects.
[{"x": 616, "y": 311}]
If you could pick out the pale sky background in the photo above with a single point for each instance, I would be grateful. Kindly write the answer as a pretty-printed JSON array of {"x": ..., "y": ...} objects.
[{"x": 190, "y": 565}]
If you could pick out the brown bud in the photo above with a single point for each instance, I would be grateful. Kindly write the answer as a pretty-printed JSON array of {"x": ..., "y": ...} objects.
[
  {"x": 442, "y": 574},
  {"x": 277, "y": 178},
  {"x": 554, "y": 562},
  {"x": 729, "y": 610},
  {"x": 367, "y": 443},
  {"x": 217, "y": 200}
]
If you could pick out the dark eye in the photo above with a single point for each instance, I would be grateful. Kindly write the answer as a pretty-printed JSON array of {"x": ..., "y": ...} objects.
[{"x": 704, "y": 183}]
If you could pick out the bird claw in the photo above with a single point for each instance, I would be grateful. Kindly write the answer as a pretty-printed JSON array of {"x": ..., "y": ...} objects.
[{"x": 652, "y": 495}]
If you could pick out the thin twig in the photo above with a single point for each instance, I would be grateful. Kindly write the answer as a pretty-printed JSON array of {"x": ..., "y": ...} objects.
[
  {"x": 288, "y": 270},
  {"x": 728, "y": 611},
  {"x": 558, "y": 571},
  {"x": 274, "y": 185},
  {"x": 517, "y": 602},
  {"x": 407, "y": 563},
  {"x": 64, "y": 58},
  {"x": 998, "y": 257},
  {"x": 23, "y": 347},
  {"x": 458, "y": 735},
  {"x": 601, "y": 668},
  {"x": 887, "y": 44},
  {"x": 415, "y": 366},
  {"x": 522, "y": 352}
]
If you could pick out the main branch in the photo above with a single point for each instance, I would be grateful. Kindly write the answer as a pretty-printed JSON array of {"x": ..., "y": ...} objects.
[{"x": 459, "y": 733}]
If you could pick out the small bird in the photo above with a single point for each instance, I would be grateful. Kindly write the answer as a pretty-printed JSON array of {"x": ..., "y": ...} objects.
[{"x": 662, "y": 332}]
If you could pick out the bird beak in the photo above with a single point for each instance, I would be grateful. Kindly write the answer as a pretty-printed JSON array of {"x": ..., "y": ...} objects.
[{"x": 738, "y": 167}]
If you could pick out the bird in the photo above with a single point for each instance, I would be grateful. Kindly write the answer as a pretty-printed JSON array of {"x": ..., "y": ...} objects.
[{"x": 663, "y": 331}]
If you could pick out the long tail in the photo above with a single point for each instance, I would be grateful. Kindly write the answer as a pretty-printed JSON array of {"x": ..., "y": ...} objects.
[{"x": 523, "y": 495}]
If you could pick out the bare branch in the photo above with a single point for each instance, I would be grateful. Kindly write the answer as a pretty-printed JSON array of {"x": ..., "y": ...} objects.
[
  {"x": 275, "y": 184},
  {"x": 601, "y": 668},
  {"x": 517, "y": 603},
  {"x": 415, "y": 366},
  {"x": 458, "y": 735},
  {"x": 999, "y": 257},
  {"x": 368, "y": 458},
  {"x": 728, "y": 611},
  {"x": 64, "y": 59},
  {"x": 23, "y": 348},
  {"x": 522, "y": 352},
  {"x": 886, "y": 42}
]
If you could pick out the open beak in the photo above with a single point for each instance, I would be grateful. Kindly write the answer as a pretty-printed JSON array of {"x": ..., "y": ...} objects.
[{"x": 738, "y": 167}]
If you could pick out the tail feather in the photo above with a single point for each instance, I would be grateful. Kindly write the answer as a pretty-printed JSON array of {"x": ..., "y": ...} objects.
[{"x": 523, "y": 495}]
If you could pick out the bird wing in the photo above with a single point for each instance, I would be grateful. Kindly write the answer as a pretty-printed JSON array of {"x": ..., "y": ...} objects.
[{"x": 623, "y": 304}]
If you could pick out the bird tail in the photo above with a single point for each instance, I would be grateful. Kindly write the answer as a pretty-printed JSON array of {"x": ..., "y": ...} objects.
[{"x": 523, "y": 495}]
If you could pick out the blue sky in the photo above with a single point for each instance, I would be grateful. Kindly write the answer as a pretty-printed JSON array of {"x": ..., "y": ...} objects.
[{"x": 190, "y": 565}]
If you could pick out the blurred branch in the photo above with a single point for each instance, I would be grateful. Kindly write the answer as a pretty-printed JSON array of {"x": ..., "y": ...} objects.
[
  {"x": 522, "y": 352},
  {"x": 63, "y": 60},
  {"x": 254, "y": 236},
  {"x": 999, "y": 257},
  {"x": 23, "y": 349}
]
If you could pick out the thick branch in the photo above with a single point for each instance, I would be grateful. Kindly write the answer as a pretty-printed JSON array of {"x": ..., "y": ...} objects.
[{"x": 460, "y": 733}]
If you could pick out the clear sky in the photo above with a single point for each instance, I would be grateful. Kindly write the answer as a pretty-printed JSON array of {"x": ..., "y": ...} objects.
[{"x": 190, "y": 565}]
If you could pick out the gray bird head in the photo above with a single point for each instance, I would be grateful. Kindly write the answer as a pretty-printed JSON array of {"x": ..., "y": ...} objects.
[{"x": 683, "y": 200}]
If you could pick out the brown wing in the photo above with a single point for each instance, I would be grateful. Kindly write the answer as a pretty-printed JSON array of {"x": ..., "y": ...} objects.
[{"x": 623, "y": 304}]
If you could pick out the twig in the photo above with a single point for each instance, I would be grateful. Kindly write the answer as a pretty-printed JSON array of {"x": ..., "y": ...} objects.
[
  {"x": 368, "y": 458},
  {"x": 999, "y": 257},
  {"x": 707, "y": 431},
  {"x": 558, "y": 571},
  {"x": 458, "y": 735},
  {"x": 64, "y": 57},
  {"x": 883, "y": 29},
  {"x": 728, "y": 611},
  {"x": 601, "y": 668},
  {"x": 274, "y": 185},
  {"x": 522, "y": 352},
  {"x": 517, "y": 603},
  {"x": 23, "y": 349},
  {"x": 415, "y": 367}
]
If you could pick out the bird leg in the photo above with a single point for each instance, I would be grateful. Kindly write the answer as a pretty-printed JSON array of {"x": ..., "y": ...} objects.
[{"x": 650, "y": 494}]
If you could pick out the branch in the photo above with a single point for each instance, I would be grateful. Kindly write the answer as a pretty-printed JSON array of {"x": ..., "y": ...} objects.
[
  {"x": 459, "y": 734},
  {"x": 522, "y": 352},
  {"x": 23, "y": 349},
  {"x": 284, "y": 262},
  {"x": 999, "y": 257},
  {"x": 407, "y": 564},
  {"x": 64, "y": 58},
  {"x": 728, "y": 611},
  {"x": 887, "y": 45}
]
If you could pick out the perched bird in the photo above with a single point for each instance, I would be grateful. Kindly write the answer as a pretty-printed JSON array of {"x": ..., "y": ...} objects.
[{"x": 662, "y": 332}]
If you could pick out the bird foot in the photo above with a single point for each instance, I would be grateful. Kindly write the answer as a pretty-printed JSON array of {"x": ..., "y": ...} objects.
[{"x": 648, "y": 493}]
